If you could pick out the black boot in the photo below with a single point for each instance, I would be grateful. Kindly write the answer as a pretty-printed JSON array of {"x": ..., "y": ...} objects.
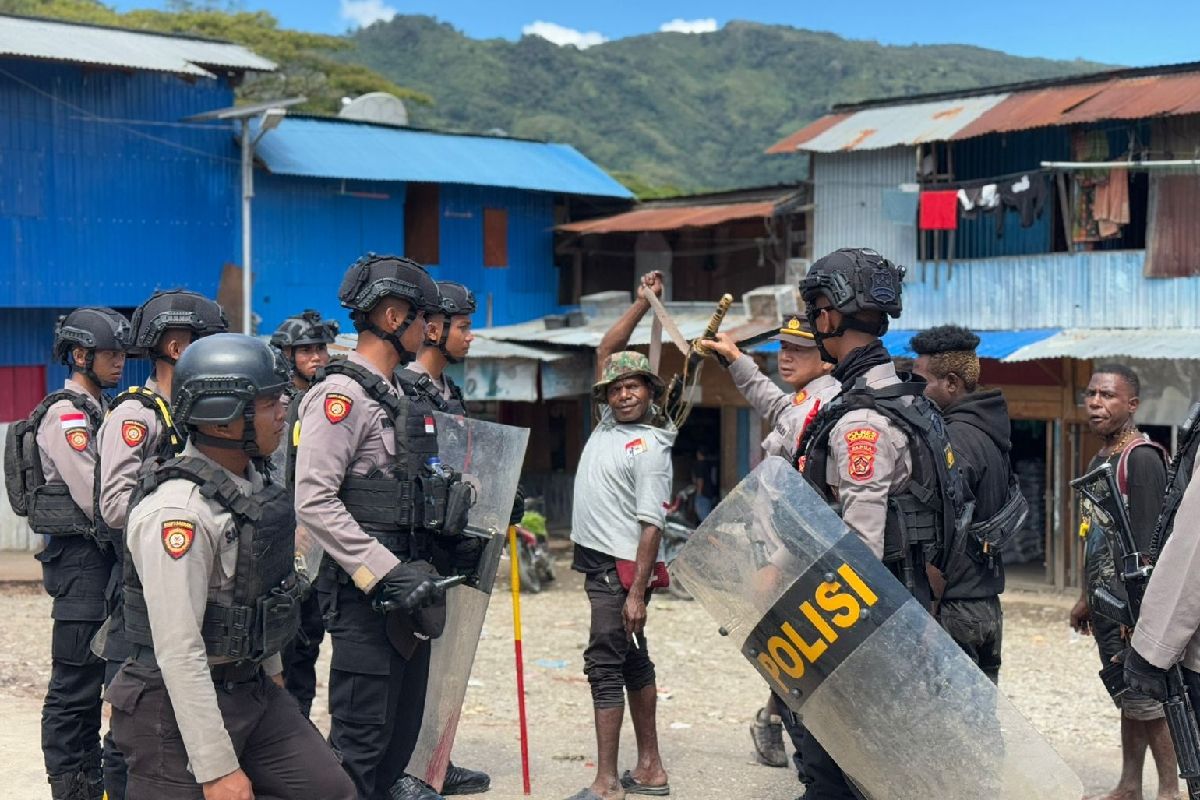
[
  {"x": 460, "y": 780},
  {"x": 410, "y": 788},
  {"x": 71, "y": 786}
]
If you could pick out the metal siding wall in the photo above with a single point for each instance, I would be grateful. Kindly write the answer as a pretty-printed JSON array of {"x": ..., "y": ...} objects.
[
  {"x": 101, "y": 212},
  {"x": 528, "y": 287},
  {"x": 307, "y": 232},
  {"x": 848, "y": 196},
  {"x": 1059, "y": 290}
]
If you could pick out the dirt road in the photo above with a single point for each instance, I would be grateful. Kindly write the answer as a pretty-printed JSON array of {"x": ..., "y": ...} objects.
[{"x": 708, "y": 695}]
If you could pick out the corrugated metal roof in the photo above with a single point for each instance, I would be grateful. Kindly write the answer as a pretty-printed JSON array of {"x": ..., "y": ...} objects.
[
  {"x": 669, "y": 219},
  {"x": 52, "y": 40},
  {"x": 1087, "y": 343},
  {"x": 483, "y": 347},
  {"x": 326, "y": 148},
  {"x": 810, "y": 131},
  {"x": 992, "y": 344},
  {"x": 888, "y": 126},
  {"x": 1026, "y": 110}
]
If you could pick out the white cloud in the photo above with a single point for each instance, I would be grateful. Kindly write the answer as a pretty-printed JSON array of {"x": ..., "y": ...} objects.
[
  {"x": 560, "y": 35},
  {"x": 689, "y": 26},
  {"x": 366, "y": 12}
]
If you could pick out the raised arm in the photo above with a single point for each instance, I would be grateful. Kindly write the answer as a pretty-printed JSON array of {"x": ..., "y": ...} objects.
[{"x": 617, "y": 337}]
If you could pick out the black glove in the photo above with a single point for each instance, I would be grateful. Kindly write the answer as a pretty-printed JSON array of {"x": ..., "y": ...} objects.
[
  {"x": 518, "y": 509},
  {"x": 1143, "y": 677},
  {"x": 406, "y": 588},
  {"x": 467, "y": 552}
]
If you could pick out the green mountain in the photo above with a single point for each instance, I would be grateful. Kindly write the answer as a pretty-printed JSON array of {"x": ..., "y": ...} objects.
[{"x": 693, "y": 111}]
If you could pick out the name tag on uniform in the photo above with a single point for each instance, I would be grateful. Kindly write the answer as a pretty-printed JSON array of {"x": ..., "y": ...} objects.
[{"x": 635, "y": 447}]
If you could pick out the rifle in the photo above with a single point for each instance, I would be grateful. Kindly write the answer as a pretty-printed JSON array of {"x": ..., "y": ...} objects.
[{"x": 1099, "y": 489}]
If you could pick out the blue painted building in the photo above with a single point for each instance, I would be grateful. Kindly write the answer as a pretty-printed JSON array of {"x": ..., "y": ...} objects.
[{"x": 479, "y": 210}]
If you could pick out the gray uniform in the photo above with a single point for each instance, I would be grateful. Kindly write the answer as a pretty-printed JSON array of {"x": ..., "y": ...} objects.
[
  {"x": 439, "y": 383},
  {"x": 67, "y": 444},
  {"x": 785, "y": 412},
  {"x": 129, "y": 436}
]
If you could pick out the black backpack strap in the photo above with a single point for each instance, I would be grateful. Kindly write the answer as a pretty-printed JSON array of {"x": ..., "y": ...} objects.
[
  {"x": 160, "y": 407},
  {"x": 454, "y": 390},
  {"x": 421, "y": 387}
]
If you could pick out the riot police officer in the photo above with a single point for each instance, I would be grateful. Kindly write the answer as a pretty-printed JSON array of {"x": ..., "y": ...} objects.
[
  {"x": 50, "y": 473},
  {"x": 370, "y": 490},
  {"x": 211, "y": 595},
  {"x": 879, "y": 452},
  {"x": 448, "y": 339},
  {"x": 304, "y": 341},
  {"x": 138, "y": 428}
]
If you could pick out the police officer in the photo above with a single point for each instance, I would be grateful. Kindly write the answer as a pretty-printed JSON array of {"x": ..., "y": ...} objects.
[
  {"x": 211, "y": 595},
  {"x": 138, "y": 428},
  {"x": 788, "y": 414},
  {"x": 370, "y": 490},
  {"x": 879, "y": 452},
  {"x": 50, "y": 472},
  {"x": 304, "y": 342},
  {"x": 448, "y": 339}
]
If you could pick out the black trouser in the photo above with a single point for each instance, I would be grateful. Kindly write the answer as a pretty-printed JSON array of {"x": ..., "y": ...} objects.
[
  {"x": 977, "y": 626},
  {"x": 796, "y": 732},
  {"x": 300, "y": 655},
  {"x": 282, "y": 754},
  {"x": 75, "y": 573},
  {"x": 612, "y": 664},
  {"x": 116, "y": 650},
  {"x": 376, "y": 695}
]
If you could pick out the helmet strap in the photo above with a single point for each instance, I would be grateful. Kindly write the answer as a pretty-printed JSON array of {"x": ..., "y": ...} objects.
[
  {"x": 363, "y": 323},
  {"x": 444, "y": 338}
]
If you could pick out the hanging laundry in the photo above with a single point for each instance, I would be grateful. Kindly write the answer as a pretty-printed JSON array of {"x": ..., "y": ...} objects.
[
  {"x": 1111, "y": 204},
  {"x": 900, "y": 207},
  {"x": 939, "y": 210},
  {"x": 976, "y": 199},
  {"x": 1026, "y": 195}
]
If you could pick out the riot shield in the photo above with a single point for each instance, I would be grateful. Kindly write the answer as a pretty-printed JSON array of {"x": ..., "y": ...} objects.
[
  {"x": 491, "y": 456},
  {"x": 874, "y": 677}
]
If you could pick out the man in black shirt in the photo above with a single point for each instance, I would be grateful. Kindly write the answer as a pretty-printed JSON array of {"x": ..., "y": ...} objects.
[
  {"x": 967, "y": 596},
  {"x": 1112, "y": 400}
]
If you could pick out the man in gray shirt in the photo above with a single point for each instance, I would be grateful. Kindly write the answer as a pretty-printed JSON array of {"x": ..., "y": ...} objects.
[{"x": 621, "y": 488}]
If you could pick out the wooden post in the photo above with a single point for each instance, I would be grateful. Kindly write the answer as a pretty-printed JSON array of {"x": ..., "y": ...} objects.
[{"x": 1064, "y": 203}]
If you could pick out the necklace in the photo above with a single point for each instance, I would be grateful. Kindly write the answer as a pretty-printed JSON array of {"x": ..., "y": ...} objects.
[{"x": 1125, "y": 439}]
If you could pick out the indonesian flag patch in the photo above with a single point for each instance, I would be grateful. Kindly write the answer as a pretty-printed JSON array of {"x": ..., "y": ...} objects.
[
  {"x": 74, "y": 420},
  {"x": 133, "y": 432},
  {"x": 635, "y": 447},
  {"x": 337, "y": 407},
  {"x": 863, "y": 445},
  {"x": 177, "y": 536},
  {"x": 78, "y": 438},
  {"x": 430, "y": 425}
]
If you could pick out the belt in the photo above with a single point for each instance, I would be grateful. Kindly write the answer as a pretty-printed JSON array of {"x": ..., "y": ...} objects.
[{"x": 232, "y": 672}]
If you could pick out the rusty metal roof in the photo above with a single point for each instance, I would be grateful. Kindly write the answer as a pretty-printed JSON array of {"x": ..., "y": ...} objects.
[
  {"x": 809, "y": 131},
  {"x": 671, "y": 218}
]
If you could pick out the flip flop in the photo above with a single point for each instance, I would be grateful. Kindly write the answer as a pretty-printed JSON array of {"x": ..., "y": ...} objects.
[
  {"x": 585, "y": 794},
  {"x": 632, "y": 786}
]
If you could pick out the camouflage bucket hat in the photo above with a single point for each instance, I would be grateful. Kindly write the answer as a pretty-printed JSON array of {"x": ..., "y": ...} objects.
[{"x": 623, "y": 365}]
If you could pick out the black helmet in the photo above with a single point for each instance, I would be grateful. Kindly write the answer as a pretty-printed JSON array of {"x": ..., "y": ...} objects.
[
  {"x": 92, "y": 328},
  {"x": 374, "y": 277},
  {"x": 305, "y": 328},
  {"x": 456, "y": 301},
  {"x": 217, "y": 380},
  {"x": 179, "y": 309},
  {"x": 854, "y": 280}
]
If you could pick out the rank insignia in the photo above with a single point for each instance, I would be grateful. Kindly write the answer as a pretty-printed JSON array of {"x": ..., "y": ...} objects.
[
  {"x": 177, "y": 536},
  {"x": 133, "y": 432},
  {"x": 863, "y": 445},
  {"x": 337, "y": 407},
  {"x": 949, "y": 457},
  {"x": 77, "y": 438}
]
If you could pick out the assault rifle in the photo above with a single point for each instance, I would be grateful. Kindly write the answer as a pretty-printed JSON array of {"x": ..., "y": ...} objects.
[{"x": 1099, "y": 490}]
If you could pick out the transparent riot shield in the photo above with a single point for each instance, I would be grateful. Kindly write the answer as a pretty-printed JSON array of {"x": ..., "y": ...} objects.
[
  {"x": 491, "y": 456},
  {"x": 884, "y": 689}
]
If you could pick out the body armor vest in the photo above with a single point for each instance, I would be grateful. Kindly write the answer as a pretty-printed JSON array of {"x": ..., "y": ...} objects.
[
  {"x": 48, "y": 506},
  {"x": 931, "y": 510},
  {"x": 1179, "y": 476},
  {"x": 170, "y": 444},
  {"x": 264, "y": 612},
  {"x": 422, "y": 386}
]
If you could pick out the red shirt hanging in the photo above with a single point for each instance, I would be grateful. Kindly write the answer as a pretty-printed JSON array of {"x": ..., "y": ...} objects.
[{"x": 939, "y": 211}]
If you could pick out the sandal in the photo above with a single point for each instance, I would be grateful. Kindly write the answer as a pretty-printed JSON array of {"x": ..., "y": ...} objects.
[{"x": 631, "y": 785}]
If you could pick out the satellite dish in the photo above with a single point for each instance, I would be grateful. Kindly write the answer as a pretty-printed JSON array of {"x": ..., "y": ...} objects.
[{"x": 380, "y": 107}]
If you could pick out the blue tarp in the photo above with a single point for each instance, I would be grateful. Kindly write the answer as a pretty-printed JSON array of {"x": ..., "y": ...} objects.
[
  {"x": 319, "y": 148},
  {"x": 992, "y": 344}
]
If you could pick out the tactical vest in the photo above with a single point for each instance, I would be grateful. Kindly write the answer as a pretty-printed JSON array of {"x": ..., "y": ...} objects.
[
  {"x": 264, "y": 612},
  {"x": 170, "y": 444},
  {"x": 421, "y": 385},
  {"x": 1179, "y": 476},
  {"x": 48, "y": 506},
  {"x": 932, "y": 509}
]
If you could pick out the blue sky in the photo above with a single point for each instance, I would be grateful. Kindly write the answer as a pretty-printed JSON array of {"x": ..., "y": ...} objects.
[{"x": 1110, "y": 31}]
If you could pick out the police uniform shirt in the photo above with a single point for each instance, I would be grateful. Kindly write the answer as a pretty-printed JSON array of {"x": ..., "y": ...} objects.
[
  {"x": 342, "y": 432},
  {"x": 184, "y": 548},
  {"x": 130, "y": 435},
  {"x": 67, "y": 444},
  {"x": 786, "y": 412},
  {"x": 439, "y": 383},
  {"x": 868, "y": 460},
  {"x": 623, "y": 481},
  {"x": 1169, "y": 626}
]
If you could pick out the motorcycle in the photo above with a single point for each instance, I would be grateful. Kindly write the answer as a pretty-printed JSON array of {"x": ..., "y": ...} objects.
[
  {"x": 534, "y": 563},
  {"x": 681, "y": 522}
]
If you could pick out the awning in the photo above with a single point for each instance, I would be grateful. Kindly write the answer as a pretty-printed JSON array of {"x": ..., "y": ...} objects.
[
  {"x": 992, "y": 344},
  {"x": 671, "y": 218},
  {"x": 1089, "y": 343}
]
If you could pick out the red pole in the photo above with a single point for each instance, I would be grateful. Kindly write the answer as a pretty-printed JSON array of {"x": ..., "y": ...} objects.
[{"x": 513, "y": 557}]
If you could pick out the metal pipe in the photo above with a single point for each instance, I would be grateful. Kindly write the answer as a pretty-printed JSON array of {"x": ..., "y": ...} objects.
[
  {"x": 247, "y": 196},
  {"x": 1133, "y": 165}
]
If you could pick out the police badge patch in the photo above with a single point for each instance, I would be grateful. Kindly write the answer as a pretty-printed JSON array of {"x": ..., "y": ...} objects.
[
  {"x": 862, "y": 444},
  {"x": 133, "y": 432},
  {"x": 177, "y": 536},
  {"x": 337, "y": 407},
  {"x": 77, "y": 438}
]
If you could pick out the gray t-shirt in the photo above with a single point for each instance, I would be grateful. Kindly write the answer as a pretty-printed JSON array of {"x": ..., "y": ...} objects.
[{"x": 623, "y": 481}]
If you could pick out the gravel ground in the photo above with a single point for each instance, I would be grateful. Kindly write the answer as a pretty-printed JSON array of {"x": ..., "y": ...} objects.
[{"x": 708, "y": 695}]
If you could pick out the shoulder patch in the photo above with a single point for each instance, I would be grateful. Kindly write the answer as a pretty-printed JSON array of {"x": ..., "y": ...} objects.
[
  {"x": 133, "y": 432},
  {"x": 177, "y": 537},
  {"x": 78, "y": 439},
  {"x": 337, "y": 407},
  {"x": 800, "y": 397},
  {"x": 76, "y": 419},
  {"x": 430, "y": 425},
  {"x": 863, "y": 444},
  {"x": 635, "y": 447}
]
